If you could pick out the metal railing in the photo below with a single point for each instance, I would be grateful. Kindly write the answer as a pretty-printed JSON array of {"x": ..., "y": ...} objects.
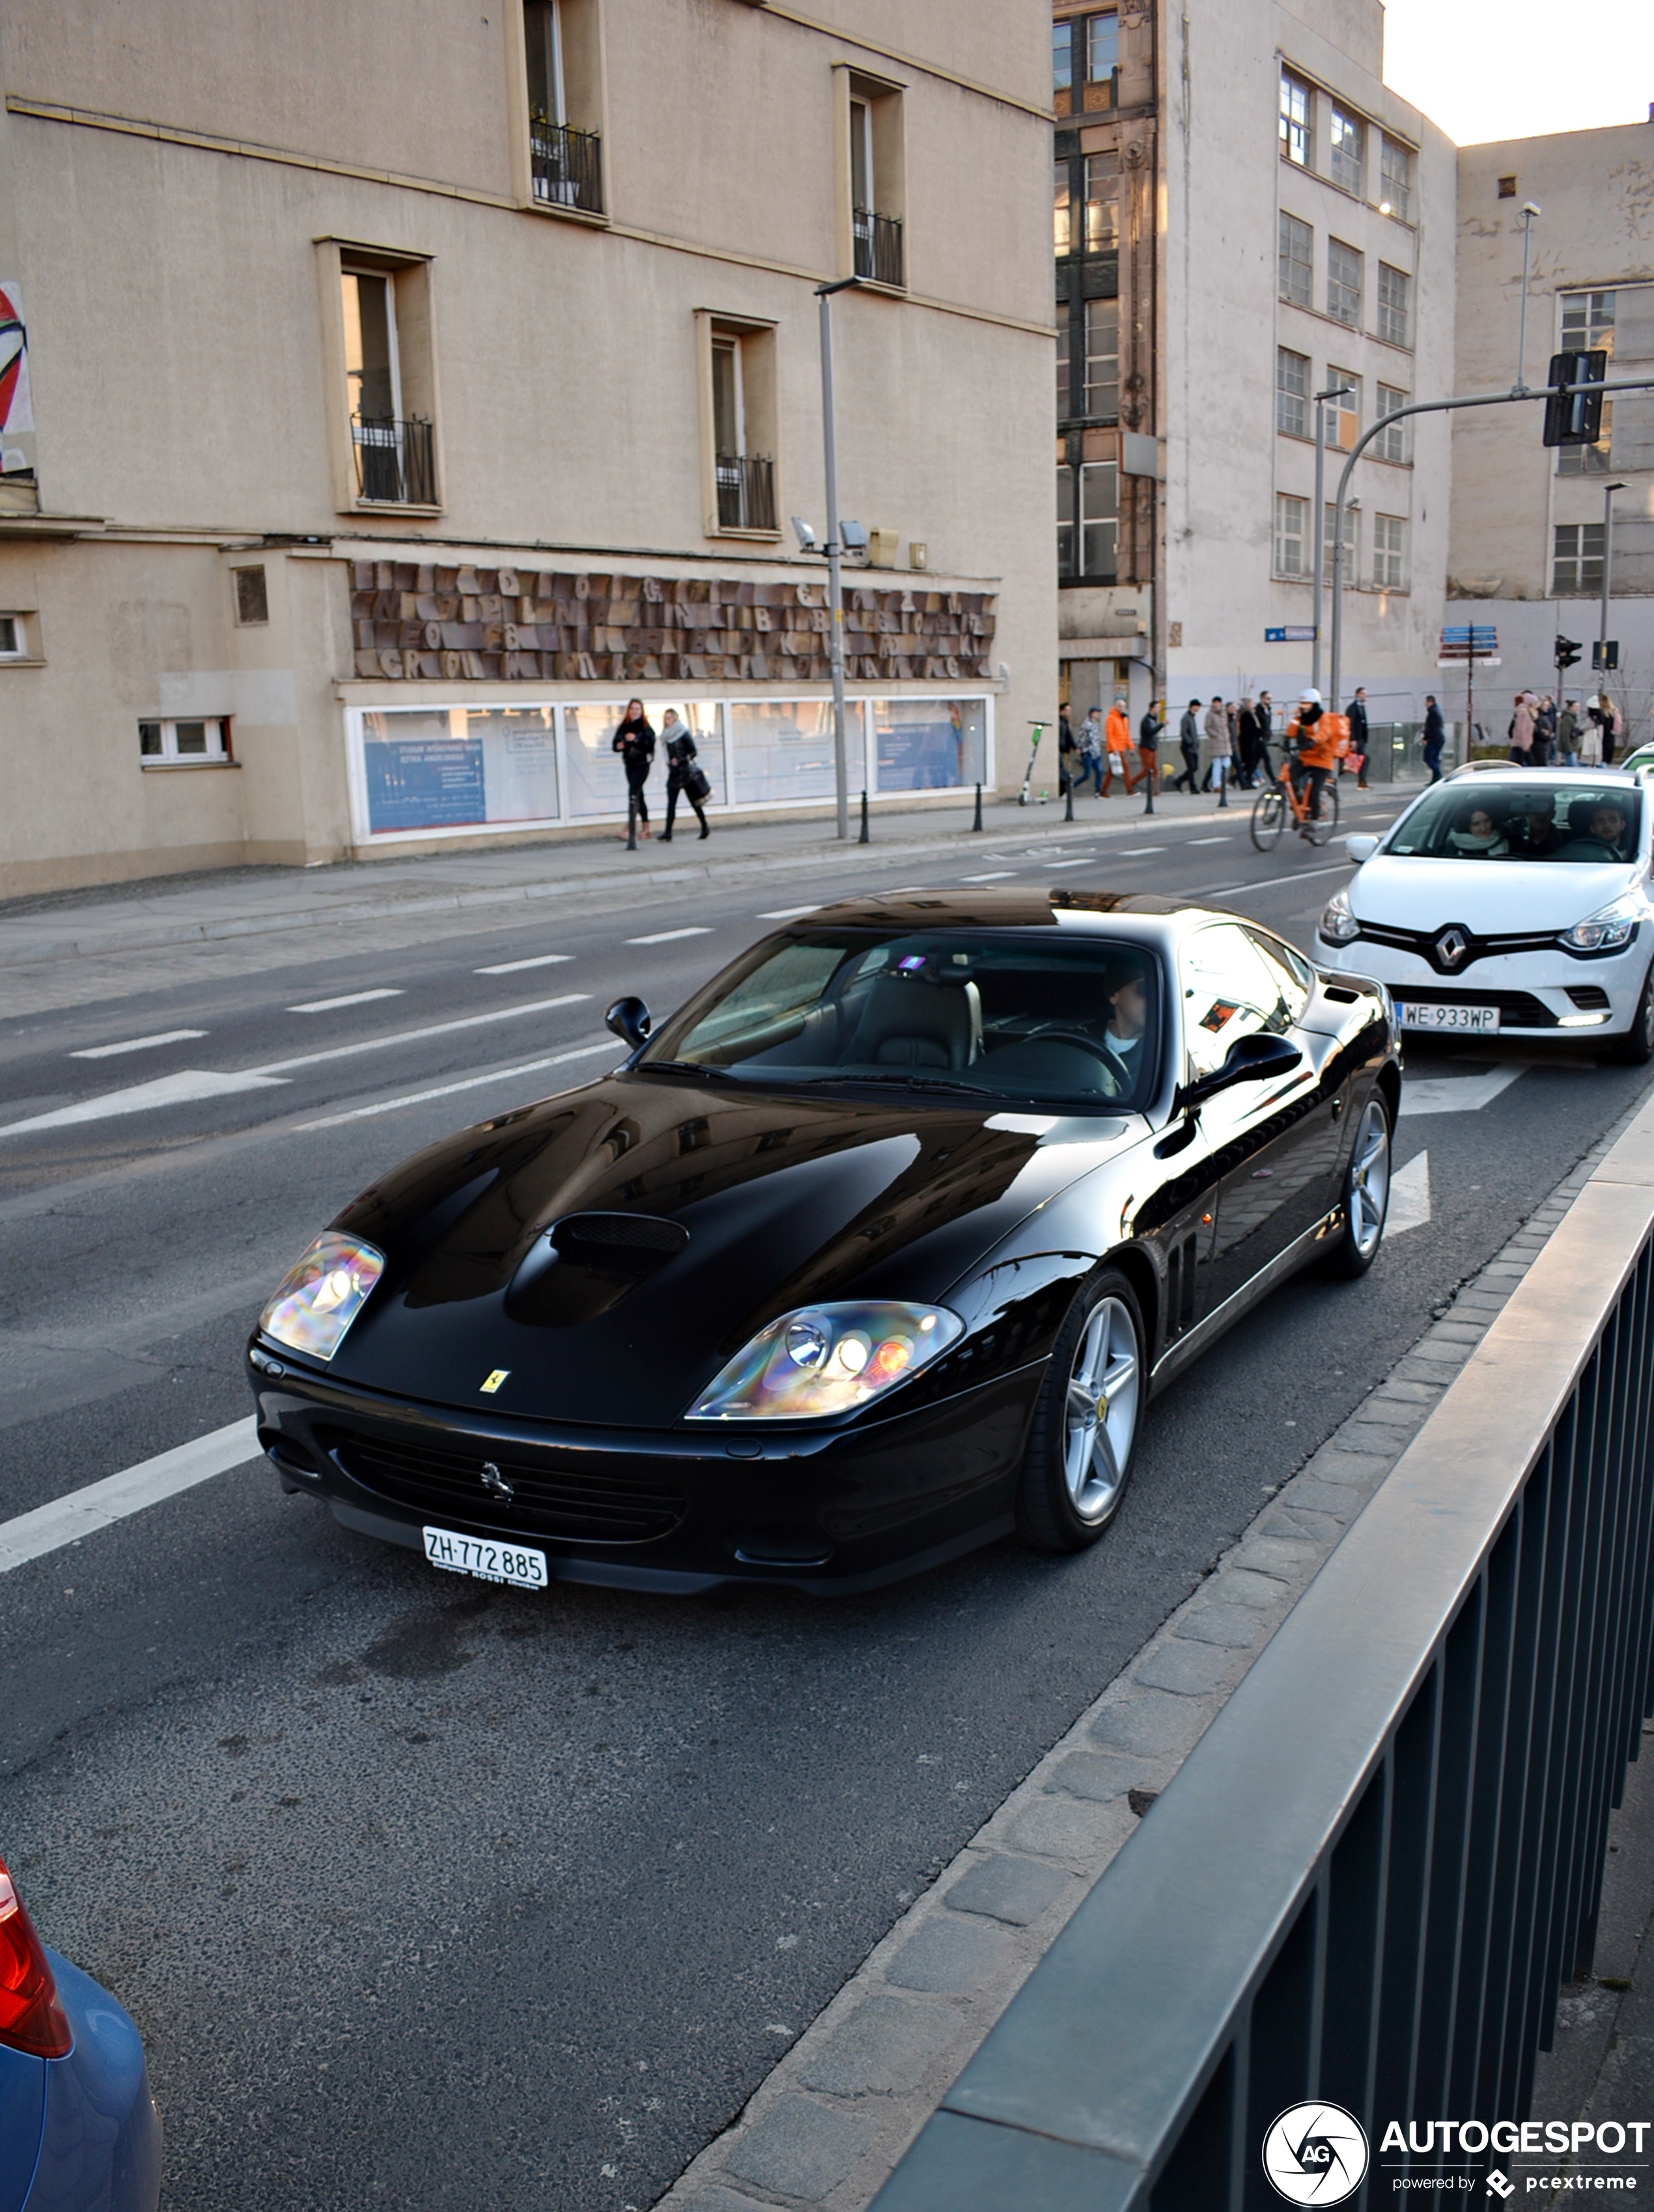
[
  {"x": 395, "y": 461},
  {"x": 566, "y": 166},
  {"x": 878, "y": 247},
  {"x": 1368, "y": 1880},
  {"x": 746, "y": 491}
]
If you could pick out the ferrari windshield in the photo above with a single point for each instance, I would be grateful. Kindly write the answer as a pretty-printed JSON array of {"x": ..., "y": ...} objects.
[
  {"x": 1533, "y": 818},
  {"x": 1034, "y": 1019}
]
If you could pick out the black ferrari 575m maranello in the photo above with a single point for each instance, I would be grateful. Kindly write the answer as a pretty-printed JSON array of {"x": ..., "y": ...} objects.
[{"x": 875, "y": 1251}]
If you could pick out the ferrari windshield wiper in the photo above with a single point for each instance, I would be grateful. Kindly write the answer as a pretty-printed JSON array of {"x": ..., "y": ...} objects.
[
  {"x": 935, "y": 1083},
  {"x": 685, "y": 1067}
]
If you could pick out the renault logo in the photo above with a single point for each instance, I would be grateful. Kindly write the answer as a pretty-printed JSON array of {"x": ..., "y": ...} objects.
[
  {"x": 496, "y": 1483},
  {"x": 1452, "y": 946}
]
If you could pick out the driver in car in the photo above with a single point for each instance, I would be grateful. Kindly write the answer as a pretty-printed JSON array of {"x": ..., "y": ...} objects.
[
  {"x": 1604, "y": 837},
  {"x": 1126, "y": 995}
]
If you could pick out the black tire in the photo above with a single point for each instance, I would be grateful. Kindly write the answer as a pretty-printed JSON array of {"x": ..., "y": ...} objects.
[
  {"x": 1366, "y": 1194},
  {"x": 1636, "y": 1047},
  {"x": 1073, "y": 1480},
  {"x": 1323, "y": 828},
  {"x": 1269, "y": 816}
]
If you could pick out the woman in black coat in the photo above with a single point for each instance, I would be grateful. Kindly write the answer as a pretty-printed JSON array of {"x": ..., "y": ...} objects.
[
  {"x": 634, "y": 741},
  {"x": 682, "y": 777}
]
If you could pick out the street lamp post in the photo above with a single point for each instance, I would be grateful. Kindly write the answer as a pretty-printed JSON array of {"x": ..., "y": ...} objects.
[
  {"x": 1529, "y": 212},
  {"x": 1333, "y": 391},
  {"x": 835, "y": 586},
  {"x": 1609, "y": 491}
]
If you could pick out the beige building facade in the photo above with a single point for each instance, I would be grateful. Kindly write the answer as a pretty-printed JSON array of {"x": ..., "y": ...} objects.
[{"x": 382, "y": 425}]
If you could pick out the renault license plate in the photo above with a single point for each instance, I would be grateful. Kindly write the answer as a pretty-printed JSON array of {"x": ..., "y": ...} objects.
[
  {"x": 489, "y": 1561},
  {"x": 1476, "y": 1021}
]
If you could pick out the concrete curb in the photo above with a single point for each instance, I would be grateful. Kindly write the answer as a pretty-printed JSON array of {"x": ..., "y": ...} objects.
[{"x": 830, "y": 2121}]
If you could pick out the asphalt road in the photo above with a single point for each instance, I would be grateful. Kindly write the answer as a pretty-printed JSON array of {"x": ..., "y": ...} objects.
[{"x": 430, "y": 1895}]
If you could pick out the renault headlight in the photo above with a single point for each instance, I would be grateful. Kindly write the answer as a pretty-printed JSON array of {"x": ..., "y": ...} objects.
[
  {"x": 319, "y": 1299},
  {"x": 1607, "y": 931},
  {"x": 827, "y": 1359},
  {"x": 1338, "y": 925}
]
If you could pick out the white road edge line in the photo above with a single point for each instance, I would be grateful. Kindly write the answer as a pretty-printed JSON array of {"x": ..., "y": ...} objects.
[
  {"x": 516, "y": 967},
  {"x": 100, "y": 1504},
  {"x": 136, "y": 1044},
  {"x": 667, "y": 936},
  {"x": 350, "y": 998},
  {"x": 447, "y": 1090}
]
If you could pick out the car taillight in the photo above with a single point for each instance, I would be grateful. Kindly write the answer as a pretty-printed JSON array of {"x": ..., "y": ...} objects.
[{"x": 31, "y": 2018}]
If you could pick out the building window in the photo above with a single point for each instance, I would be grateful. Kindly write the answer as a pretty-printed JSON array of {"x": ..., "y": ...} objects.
[
  {"x": 1102, "y": 202},
  {"x": 163, "y": 744},
  {"x": 1395, "y": 304},
  {"x": 1390, "y": 444},
  {"x": 1062, "y": 63},
  {"x": 252, "y": 597},
  {"x": 1589, "y": 460},
  {"x": 1329, "y": 533},
  {"x": 1344, "y": 283},
  {"x": 14, "y": 641},
  {"x": 1296, "y": 248},
  {"x": 386, "y": 378},
  {"x": 1291, "y": 392},
  {"x": 877, "y": 184},
  {"x": 1344, "y": 416},
  {"x": 1087, "y": 521},
  {"x": 1102, "y": 48},
  {"x": 1291, "y": 525},
  {"x": 738, "y": 426},
  {"x": 1396, "y": 180},
  {"x": 1349, "y": 138},
  {"x": 1507, "y": 188},
  {"x": 1588, "y": 322},
  {"x": 1389, "y": 552},
  {"x": 1103, "y": 359},
  {"x": 1062, "y": 210},
  {"x": 1295, "y": 120},
  {"x": 1577, "y": 566},
  {"x": 565, "y": 148}
]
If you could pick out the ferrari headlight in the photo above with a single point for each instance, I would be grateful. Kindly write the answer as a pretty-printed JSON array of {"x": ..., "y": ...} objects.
[
  {"x": 319, "y": 1299},
  {"x": 1606, "y": 931},
  {"x": 1338, "y": 925},
  {"x": 827, "y": 1359}
]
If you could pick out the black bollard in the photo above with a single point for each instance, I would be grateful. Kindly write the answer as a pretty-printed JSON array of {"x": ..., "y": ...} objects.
[
  {"x": 1223, "y": 790},
  {"x": 977, "y": 825},
  {"x": 863, "y": 839},
  {"x": 1068, "y": 815},
  {"x": 630, "y": 819},
  {"x": 1153, "y": 771}
]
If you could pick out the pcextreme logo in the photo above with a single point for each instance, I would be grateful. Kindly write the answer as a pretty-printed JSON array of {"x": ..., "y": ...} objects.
[{"x": 1315, "y": 2153}]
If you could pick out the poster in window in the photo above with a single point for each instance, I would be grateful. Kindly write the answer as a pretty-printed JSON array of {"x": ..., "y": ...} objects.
[{"x": 16, "y": 407}]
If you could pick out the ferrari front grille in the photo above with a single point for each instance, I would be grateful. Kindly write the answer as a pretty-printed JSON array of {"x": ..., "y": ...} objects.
[{"x": 541, "y": 1501}]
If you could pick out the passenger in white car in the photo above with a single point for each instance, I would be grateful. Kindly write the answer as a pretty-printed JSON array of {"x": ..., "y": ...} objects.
[{"x": 1480, "y": 838}]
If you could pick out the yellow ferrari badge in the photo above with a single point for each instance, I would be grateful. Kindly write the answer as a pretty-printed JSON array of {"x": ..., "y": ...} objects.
[{"x": 494, "y": 1381}]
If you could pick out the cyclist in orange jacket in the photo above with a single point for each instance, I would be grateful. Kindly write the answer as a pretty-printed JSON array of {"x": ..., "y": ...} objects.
[{"x": 1314, "y": 743}]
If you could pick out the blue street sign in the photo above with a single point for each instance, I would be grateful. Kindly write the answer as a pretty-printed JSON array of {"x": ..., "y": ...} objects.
[{"x": 1291, "y": 633}]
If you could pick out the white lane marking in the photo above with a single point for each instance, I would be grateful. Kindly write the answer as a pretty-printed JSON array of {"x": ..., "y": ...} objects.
[
  {"x": 136, "y": 1044},
  {"x": 1410, "y": 1196},
  {"x": 1223, "y": 839},
  {"x": 1136, "y": 852},
  {"x": 1054, "y": 864},
  {"x": 516, "y": 967},
  {"x": 1266, "y": 882},
  {"x": 1458, "y": 1094},
  {"x": 100, "y": 1504},
  {"x": 993, "y": 876},
  {"x": 414, "y": 1037},
  {"x": 667, "y": 936},
  {"x": 447, "y": 1090},
  {"x": 778, "y": 913},
  {"x": 180, "y": 1090},
  {"x": 350, "y": 998}
]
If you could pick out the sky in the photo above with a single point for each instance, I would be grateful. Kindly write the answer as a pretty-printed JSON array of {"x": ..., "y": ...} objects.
[{"x": 1512, "y": 69}]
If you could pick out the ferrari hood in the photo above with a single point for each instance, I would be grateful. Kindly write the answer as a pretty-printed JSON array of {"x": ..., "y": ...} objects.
[
  {"x": 610, "y": 1249},
  {"x": 1494, "y": 898}
]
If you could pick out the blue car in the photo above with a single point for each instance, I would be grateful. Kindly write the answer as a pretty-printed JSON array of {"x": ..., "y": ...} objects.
[{"x": 78, "y": 2127}]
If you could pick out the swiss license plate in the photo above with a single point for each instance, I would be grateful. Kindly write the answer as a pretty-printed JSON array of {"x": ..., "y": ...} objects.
[
  {"x": 1478, "y": 1021},
  {"x": 488, "y": 1560}
]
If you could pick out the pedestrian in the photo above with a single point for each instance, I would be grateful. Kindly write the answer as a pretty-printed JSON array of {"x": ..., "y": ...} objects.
[
  {"x": 634, "y": 741},
  {"x": 1117, "y": 739},
  {"x": 1355, "y": 713},
  {"x": 1068, "y": 756},
  {"x": 1091, "y": 749},
  {"x": 683, "y": 779},
  {"x": 1246, "y": 751},
  {"x": 1218, "y": 750},
  {"x": 1567, "y": 732},
  {"x": 1264, "y": 714},
  {"x": 1614, "y": 728},
  {"x": 1591, "y": 735},
  {"x": 1149, "y": 745},
  {"x": 1520, "y": 733},
  {"x": 1435, "y": 732},
  {"x": 1188, "y": 746},
  {"x": 1544, "y": 730}
]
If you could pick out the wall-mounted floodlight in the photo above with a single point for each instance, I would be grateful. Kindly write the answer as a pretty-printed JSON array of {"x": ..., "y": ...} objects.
[
  {"x": 1528, "y": 209},
  {"x": 804, "y": 533},
  {"x": 852, "y": 537}
]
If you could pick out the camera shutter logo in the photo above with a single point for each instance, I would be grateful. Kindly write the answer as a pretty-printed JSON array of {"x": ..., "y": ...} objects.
[{"x": 1315, "y": 2153}]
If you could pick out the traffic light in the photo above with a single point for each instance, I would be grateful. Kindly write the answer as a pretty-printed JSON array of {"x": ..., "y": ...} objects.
[
  {"x": 1567, "y": 651},
  {"x": 1575, "y": 417},
  {"x": 1605, "y": 653}
]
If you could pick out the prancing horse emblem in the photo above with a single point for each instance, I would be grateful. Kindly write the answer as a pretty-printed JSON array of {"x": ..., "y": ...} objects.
[
  {"x": 1452, "y": 946},
  {"x": 496, "y": 1483}
]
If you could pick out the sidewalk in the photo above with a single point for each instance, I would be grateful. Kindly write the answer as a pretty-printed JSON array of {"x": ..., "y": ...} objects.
[{"x": 169, "y": 911}]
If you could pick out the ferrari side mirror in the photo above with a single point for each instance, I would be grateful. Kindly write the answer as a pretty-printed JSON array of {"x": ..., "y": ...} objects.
[
  {"x": 1253, "y": 1059},
  {"x": 629, "y": 1020}
]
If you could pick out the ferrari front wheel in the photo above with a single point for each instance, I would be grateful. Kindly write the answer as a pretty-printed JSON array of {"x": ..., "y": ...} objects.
[{"x": 1084, "y": 1431}]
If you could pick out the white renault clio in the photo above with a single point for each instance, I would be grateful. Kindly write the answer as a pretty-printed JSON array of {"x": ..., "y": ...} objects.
[{"x": 1509, "y": 902}]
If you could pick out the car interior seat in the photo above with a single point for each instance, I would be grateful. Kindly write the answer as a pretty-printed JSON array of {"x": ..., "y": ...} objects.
[{"x": 909, "y": 1021}]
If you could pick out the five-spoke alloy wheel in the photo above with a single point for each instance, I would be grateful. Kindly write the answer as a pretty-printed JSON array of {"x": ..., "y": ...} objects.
[
  {"x": 1366, "y": 1192},
  {"x": 1085, "y": 1426}
]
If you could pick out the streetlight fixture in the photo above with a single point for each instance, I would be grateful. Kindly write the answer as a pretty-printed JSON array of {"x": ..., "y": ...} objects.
[
  {"x": 1333, "y": 391},
  {"x": 1529, "y": 213},
  {"x": 835, "y": 591}
]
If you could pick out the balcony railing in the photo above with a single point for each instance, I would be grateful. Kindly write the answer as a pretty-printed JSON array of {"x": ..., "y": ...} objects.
[
  {"x": 394, "y": 460},
  {"x": 746, "y": 491},
  {"x": 566, "y": 166},
  {"x": 878, "y": 247}
]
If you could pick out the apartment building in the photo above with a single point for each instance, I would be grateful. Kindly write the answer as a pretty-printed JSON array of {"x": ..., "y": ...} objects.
[
  {"x": 1245, "y": 216},
  {"x": 1529, "y": 524},
  {"x": 389, "y": 393}
]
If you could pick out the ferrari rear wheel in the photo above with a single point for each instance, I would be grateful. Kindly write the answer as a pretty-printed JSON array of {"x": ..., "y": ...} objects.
[
  {"x": 1366, "y": 1193},
  {"x": 1084, "y": 1431}
]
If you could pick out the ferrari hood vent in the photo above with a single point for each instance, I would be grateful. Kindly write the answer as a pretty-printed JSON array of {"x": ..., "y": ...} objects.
[
  {"x": 586, "y": 1262},
  {"x": 627, "y": 1238}
]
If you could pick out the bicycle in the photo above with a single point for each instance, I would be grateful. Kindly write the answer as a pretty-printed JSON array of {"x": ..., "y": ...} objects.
[{"x": 1278, "y": 798}]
